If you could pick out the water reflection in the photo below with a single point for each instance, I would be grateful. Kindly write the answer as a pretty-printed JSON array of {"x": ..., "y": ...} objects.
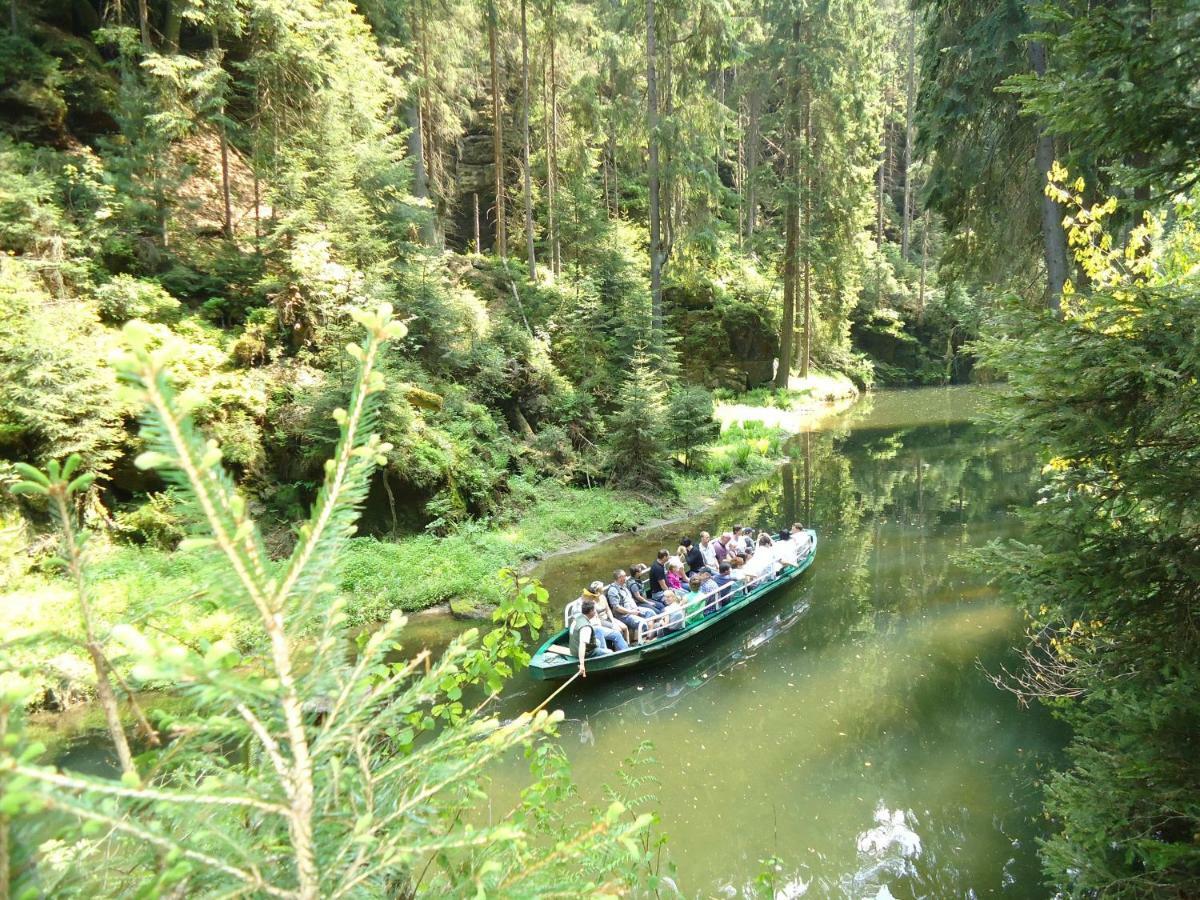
[{"x": 844, "y": 727}]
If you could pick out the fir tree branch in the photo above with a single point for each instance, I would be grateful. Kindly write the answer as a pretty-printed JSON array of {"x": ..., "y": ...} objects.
[
  {"x": 114, "y": 789},
  {"x": 270, "y": 747},
  {"x": 252, "y": 879},
  {"x": 335, "y": 481},
  {"x": 59, "y": 492},
  {"x": 193, "y": 468}
]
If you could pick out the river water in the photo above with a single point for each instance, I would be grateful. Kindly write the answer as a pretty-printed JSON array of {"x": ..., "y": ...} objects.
[
  {"x": 847, "y": 729},
  {"x": 843, "y": 739}
]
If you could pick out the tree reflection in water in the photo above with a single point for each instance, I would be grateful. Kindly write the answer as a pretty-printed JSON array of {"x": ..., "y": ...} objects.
[{"x": 856, "y": 692}]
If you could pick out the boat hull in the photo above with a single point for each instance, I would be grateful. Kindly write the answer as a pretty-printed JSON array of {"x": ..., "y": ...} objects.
[{"x": 550, "y": 666}]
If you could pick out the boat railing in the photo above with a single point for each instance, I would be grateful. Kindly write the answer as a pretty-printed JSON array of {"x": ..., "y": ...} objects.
[{"x": 719, "y": 597}]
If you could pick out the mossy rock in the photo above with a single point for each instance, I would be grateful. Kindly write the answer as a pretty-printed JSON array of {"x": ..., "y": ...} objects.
[
  {"x": 465, "y": 609},
  {"x": 421, "y": 398}
]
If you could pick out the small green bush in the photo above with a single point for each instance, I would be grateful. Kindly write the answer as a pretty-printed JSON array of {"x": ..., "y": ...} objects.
[
  {"x": 126, "y": 297},
  {"x": 156, "y": 522}
]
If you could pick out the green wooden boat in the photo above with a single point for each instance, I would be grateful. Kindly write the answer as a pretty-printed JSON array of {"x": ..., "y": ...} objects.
[{"x": 553, "y": 661}]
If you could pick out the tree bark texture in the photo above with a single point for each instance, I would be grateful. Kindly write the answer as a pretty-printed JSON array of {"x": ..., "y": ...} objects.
[
  {"x": 910, "y": 88},
  {"x": 924, "y": 266},
  {"x": 752, "y": 142},
  {"x": 1054, "y": 241},
  {"x": 656, "y": 259},
  {"x": 531, "y": 255},
  {"x": 227, "y": 225},
  {"x": 552, "y": 149},
  {"x": 806, "y": 347},
  {"x": 144, "y": 24},
  {"x": 501, "y": 243},
  {"x": 478, "y": 240},
  {"x": 787, "y": 325}
]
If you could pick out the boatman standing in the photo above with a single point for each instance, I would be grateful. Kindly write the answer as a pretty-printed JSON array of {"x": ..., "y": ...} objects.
[{"x": 584, "y": 639}]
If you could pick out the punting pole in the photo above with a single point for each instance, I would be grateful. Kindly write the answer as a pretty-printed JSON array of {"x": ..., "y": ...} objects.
[{"x": 557, "y": 691}]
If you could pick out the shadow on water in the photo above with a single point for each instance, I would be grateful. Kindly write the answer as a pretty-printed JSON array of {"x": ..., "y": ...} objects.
[{"x": 845, "y": 726}]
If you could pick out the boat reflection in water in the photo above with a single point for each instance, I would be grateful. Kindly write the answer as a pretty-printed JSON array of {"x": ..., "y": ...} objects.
[{"x": 654, "y": 692}]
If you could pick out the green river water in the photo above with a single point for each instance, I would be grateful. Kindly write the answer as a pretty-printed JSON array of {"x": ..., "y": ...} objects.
[{"x": 846, "y": 728}]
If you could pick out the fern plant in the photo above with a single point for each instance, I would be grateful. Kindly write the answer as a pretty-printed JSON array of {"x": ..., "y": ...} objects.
[{"x": 321, "y": 769}]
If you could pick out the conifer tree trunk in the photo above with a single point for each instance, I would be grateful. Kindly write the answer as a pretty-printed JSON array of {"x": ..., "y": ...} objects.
[
  {"x": 257, "y": 209},
  {"x": 791, "y": 225},
  {"x": 434, "y": 233},
  {"x": 879, "y": 195},
  {"x": 478, "y": 239},
  {"x": 752, "y": 142},
  {"x": 530, "y": 253},
  {"x": 1054, "y": 242},
  {"x": 806, "y": 347},
  {"x": 144, "y": 24},
  {"x": 416, "y": 152},
  {"x": 173, "y": 25},
  {"x": 906, "y": 220},
  {"x": 552, "y": 149},
  {"x": 501, "y": 243},
  {"x": 924, "y": 265},
  {"x": 656, "y": 260},
  {"x": 416, "y": 145},
  {"x": 739, "y": 167},
  {"x": 227, "y": 225}
]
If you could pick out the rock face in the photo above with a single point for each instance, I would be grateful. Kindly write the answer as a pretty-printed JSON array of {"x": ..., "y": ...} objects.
[
  {"x": 474, "y": 174},
  {"x": 754, "y": 348},
  {"x": 724, "y": 341}
]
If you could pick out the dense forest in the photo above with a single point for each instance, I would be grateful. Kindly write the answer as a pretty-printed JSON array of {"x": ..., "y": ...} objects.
[{"x": 576, "y": 224}]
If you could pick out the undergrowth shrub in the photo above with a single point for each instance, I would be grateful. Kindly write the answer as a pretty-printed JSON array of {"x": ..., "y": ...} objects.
[
  {"x": 125, "y": 297},
  {"x": 353, "y": 772},
  {"x": 157, "y": 521}
]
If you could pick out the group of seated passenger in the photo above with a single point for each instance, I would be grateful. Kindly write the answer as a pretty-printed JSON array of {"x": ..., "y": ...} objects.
[{"x": 678, "y": 590}]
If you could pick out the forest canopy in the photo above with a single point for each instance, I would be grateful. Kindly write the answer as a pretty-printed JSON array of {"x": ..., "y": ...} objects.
[{"x": 590, "y": 219}]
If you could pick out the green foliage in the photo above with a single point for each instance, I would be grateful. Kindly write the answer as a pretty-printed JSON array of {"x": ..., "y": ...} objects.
[
  {"x": 1108, "y": 576},
  {"x": 56, "y": 395},
  {"x": 690, "y": 413},
  {"x": 744, "y": 448},
  {"x": 639, "y": 432},
  {"x": 458, "y": 567},
  {"x": 394, "y": 739},
  {"x": 31, "y": 84},
  {"x": 1112, "y": 93},
  {"x": 126, "y": 298},
  {"x": 982, "y": 178},
  {"x": 156, "y": 521}
]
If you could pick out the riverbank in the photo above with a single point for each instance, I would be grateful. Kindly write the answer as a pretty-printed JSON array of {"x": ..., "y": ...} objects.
[{"x": 173, "y": 591}]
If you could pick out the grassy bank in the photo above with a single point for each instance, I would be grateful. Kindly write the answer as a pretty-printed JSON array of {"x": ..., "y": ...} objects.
[
  {"x": 789, "y": 410},
  {"x": 170, "y": 591},
  {"x": 423, "y": 570}
]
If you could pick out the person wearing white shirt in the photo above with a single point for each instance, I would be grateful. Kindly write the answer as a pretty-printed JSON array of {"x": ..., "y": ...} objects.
[
  {"x": 791, "y": 551},
  {"x": 762, "y": 565},
  {"x": 708, "y": 550}
]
